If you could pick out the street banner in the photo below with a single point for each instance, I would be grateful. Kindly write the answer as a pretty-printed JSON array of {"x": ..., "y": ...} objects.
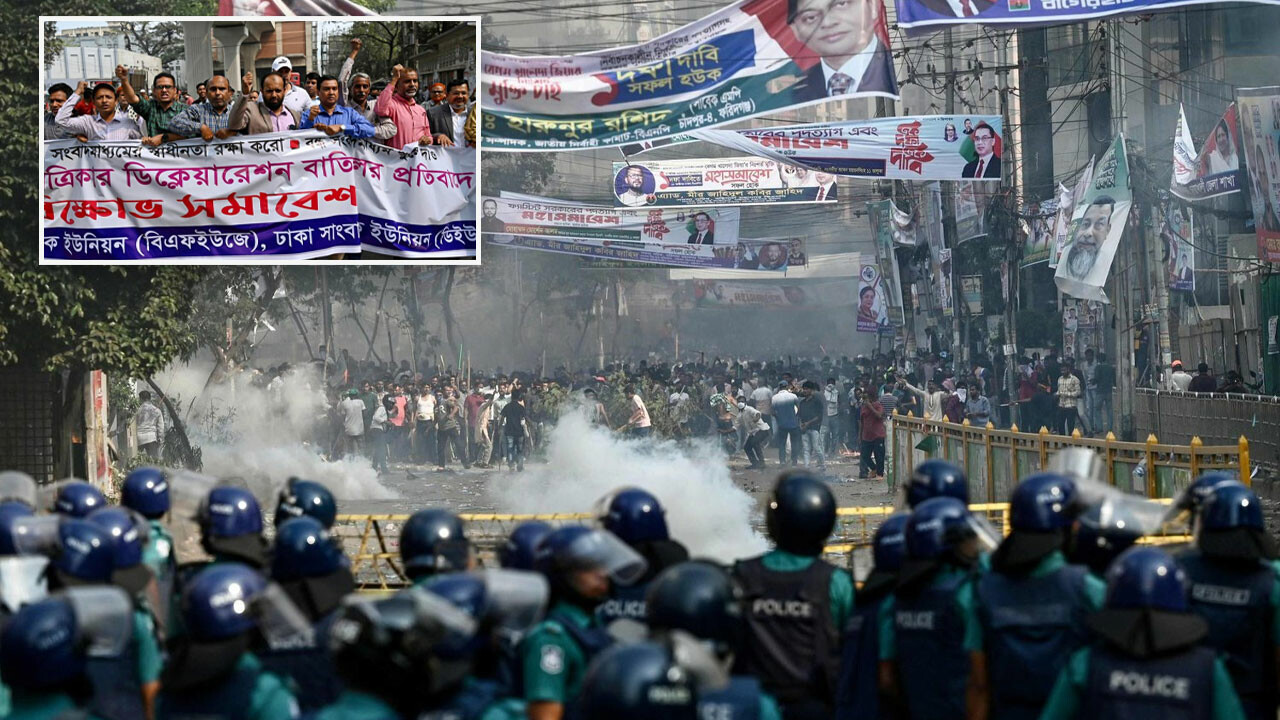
[
  {"x": 534, "y": 216},
  {"x": 278, "y": 196},
  {"x": 939, "y": 255},
  {"x": 1260, "y": 133},
  {"x": 971, "y": 292},
  {"x": 906, "y": 227},
  {"x": 881, "y": 215},
  {"x": 713, "y": 293},
  {"x": 1067, "y": 202},
  {"x": 923, "y": 16},
  {"x": 971, "y": 201},
  {"x": 1178, "y": 232},
  {"x": 1097, "y": 223},
  {"x": 933, "y": 147},
  {"x": 751, "y": 58},
  {"x": 1216, "y": 170},
  {"x": 873, "y": 302},
  {"x": 718, "y": 181},
  {"x": 770, "y": 254},
  {"x": 1040, "y": 233}
]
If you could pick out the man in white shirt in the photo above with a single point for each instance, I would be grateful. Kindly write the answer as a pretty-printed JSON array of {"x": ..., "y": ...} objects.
[
  {"x": 351, "y": 409},
  {"x": 843, "y": 34},
  {"x": 638, "y": 425},
  {"x": 1179, "y": 379},
  {"x": 106, "y": 123},
  {"x": 150, "y": 425},
  {"x": 424, "y": 424}
]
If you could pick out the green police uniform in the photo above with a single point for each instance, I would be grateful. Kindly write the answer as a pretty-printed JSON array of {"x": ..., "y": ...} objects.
[
  {"x": 1064, "y": 703},
  {"x": 840, "y": 591},
  {"x": 968, "y": 612},
  {"x": 158, "y": 552},
  {"x": 553, "y": 665},
  {"x": 42, "y": 706},
  {"x": 270, "y": 699},
  {"x": 355, "y": 705}
]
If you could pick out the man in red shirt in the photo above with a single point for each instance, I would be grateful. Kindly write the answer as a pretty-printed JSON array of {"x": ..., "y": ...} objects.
[
  {"x": 403, "y": 109},
  {"x": 872, "y": 429}
]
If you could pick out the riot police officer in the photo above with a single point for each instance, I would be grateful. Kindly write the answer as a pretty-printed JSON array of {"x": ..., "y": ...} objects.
[
  {"x": 1237, "y": 592},
  {"x": 1032, "y": 604},
  {"x": 796, "y": 603},
  {"x": 703, "y": 600},
  {"x": 518, "y": 552},
  {"x": 146, "y": 492},
  {"x": 434, "y": 541},
  {"x": 579, "y": 563},
  {"x": 638, "y": 519},
  {"x": 1100, "y": 534},
  {"x": 936, "y": 478},
  {"x": 930, "y": 636},
  {"x": 43, "y": 650},
  {"x": 77, "y": 498},
  {"x": 311, "y": 569},
  {"x": 639, "y": 681},
  {"x": 301, "y": 497},
  {"x": 231, "y": 527},
  {"x": 1147, "y": 663},
  {"x": 858, "y": 691},
  {"x": 1188, "y": 502},
  {"x": 211, "y": 674}
]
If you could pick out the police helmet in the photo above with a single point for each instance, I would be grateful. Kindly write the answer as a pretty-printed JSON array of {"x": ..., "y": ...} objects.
[
  {"x": 577, "y": 547},
  {"x": 700, "y": 598},
  {"x": 231, "y": 524},
  {"x": 801, "y": 514},
  {"x": 635, "y": 516},
  {"x": 1102, "y": 532},
  {"x": 888, "y": 545},
  {"x": 86, "y": 554},
  {"x": 638, "y": 681},
  {"x": 1146, "y": 578},
  {"x": 217, "y": 603},
  {"x": 937, "y": 478},
  {"x": 10, "y": 511},
  {"x": 40, "y": 648},
  {"x": 146, "y": 490},
  {"x": 130, "y": 532},
  {"x": 1231, "y": 525},
  {"x": 518, "y": 552},
  {"x": 1194, "y": 495},
  {"x": 433, "y": 541},
  {"x": 77, "y": 498},
  {"x": 17, "y": 487},
  {"x": 1041, "y": 508},
  {"x": 937, "y": 526},
  {"x": 301, "y": 497},
  {"x": 304, "y": 549}
]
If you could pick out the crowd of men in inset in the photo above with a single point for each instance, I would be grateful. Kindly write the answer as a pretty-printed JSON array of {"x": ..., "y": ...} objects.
[
  {"x": 1070, "y": 614},
  {"x": 388, "y": 112}
]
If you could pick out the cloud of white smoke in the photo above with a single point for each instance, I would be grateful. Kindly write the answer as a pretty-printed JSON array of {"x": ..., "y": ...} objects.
[
  {"x": 705, "y": 510},
  {"x": 265, "y": 434}
]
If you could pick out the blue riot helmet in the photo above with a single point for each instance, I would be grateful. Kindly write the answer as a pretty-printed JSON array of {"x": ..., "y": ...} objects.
[
  {"x": 634, "y": 515},
  {"x": 146, "y": 491},
  {"x": 517, "y": 553},
  {"x": 640, "y": 681},
  {"x": 44, "y": 646},
  {"x": 1231, "y": 525},
  {"x": 936, "y": 478},
  {"x": 129, "y": 531},
  {"x": 11, "y": 511},
  {"x": 231, "y": 525},
  {"x": 81, "y": 552},
  {"x": 387, "y": 647},
  {"x": 310, "y": 566},
  {"x": 1102, "y": 532},
  {"x": 1147, "y": 611},
  {"x": 700, "y": 598},
  {"x": 504, "y": 603},
  {"x": 17, "y": 487},
  {"x": 1188, "y": 502},
  {"x": 1041, "y": 509},
  {"x": 889, "y": 552},
  {"x": 574, "y": 548},
  {"x": 306, "y": 497},
  {"x": 77, "y": 498},
  {"x": 434, "y": 541},
  {"x": 217, "y": 603},
  {"x": 940, "y": 530},
  {"x": 801, "y": 514}
]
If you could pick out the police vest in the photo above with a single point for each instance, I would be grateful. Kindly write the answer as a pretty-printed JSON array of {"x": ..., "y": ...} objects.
[
  {"x": 591, "y": 640},
  {"x": 117, "y": 692},
  {"x": 791, "y": 640},
  {"x": 858, "y": 689},
  {"x": 933, "y": 665},
  {"x": 1170, "y": 687},
  {"x": 626, "y": 602},
  {"x": 228, "y": 698},
  {"x": 309, "y": 666},
  {"x": 1236, "y": 602},
  {"x": 1031, "y": 625},
  {"x": 739, "y": 700},
  {"x": 469, "y": 703}
]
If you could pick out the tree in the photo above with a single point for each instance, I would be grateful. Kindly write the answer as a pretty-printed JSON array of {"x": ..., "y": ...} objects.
[{"x": 162, "y": 40}]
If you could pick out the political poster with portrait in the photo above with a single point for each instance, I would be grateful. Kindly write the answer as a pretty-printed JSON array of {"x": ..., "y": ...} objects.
[
  {"x": 1039, "y": 232},
  {"x": 714, "y": 293},
  {"x": 924, "y": 16},
  {"x": 881, "y": 216},
  {"x": 930, "y": 147},
  {"x": 939, "y": 255},
  {"x": 971, "y": 293},
  {"x": 873, "y": 301},
  {"x": 533, "y": 216},
  {"x": 1097, "y": 223},
  {"x": 1178, "y": 233},
  {"x": 1260, "y": 135},
  {"x": 1216, "y": 169},
  {"x": 718, "y": 181},
  {"x": 285, "y": 196},
  {"x": 971, "y": 201},
  {"x": 750, "y": 58}
]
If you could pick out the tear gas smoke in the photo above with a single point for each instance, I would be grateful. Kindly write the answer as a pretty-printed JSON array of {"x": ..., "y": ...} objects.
[
  {"x": 705, "y": 510},
  {"x": 267, "y": 433}
]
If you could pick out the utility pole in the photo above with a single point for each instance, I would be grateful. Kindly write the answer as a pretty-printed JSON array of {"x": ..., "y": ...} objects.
[
  {"x": 949, "y": 211},
  {"x": 1013, "y": 248}
]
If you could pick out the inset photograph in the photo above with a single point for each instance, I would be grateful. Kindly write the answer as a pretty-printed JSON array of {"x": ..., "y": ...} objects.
[{"x": 259, "y": 140}]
